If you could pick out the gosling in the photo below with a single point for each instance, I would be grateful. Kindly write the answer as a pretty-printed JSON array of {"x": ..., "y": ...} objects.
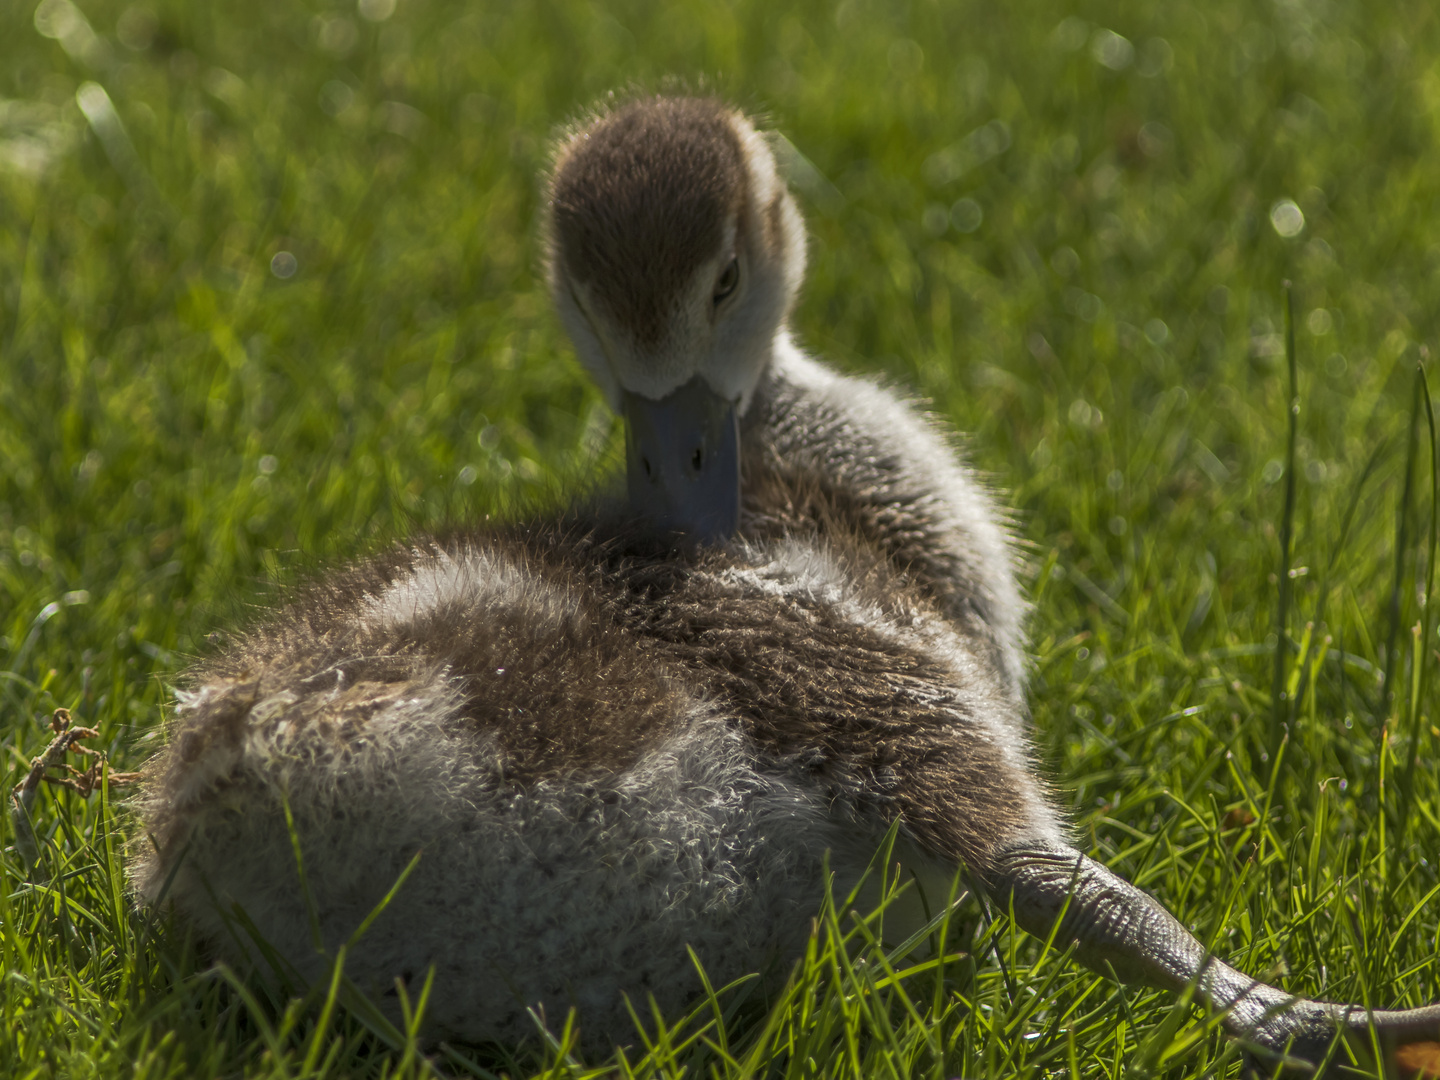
[{"x": 596, "y": 739}]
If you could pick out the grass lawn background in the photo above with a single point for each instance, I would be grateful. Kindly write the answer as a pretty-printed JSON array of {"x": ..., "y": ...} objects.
[{"x": 1065, "y": 225}]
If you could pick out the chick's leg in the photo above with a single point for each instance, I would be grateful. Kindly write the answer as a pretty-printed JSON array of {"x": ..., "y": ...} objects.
[{"x": 1118, "y": 929}]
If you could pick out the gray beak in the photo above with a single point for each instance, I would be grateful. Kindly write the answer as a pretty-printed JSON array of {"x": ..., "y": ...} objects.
[{"x": 683, "y": 460}]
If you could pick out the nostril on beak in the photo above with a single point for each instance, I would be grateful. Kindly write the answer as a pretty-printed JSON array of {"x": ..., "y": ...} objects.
[{"x": 682, "y": 456}]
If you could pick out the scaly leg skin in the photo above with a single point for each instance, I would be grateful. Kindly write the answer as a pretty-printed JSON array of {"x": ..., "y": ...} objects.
[{"x": 1118, "y": 929}]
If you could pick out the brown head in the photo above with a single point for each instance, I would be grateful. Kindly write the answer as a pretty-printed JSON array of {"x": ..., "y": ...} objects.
[{"x": 675, "y": 256}]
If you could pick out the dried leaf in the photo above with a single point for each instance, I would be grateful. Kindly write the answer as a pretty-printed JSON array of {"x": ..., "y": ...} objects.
[
  {"x": 1238, "y": 818},
  {"x": 1418, "y": 1059}
]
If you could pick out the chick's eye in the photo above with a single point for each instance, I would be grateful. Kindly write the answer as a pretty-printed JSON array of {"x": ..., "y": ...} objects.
[{"x": 729, "y": 278}]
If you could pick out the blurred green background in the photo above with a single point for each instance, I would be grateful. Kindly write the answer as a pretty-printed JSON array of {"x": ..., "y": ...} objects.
[{"x": 271, "y": 295}]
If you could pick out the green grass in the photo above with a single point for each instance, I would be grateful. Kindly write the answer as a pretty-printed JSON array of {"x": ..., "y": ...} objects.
[{"x": 180, "y": 429}]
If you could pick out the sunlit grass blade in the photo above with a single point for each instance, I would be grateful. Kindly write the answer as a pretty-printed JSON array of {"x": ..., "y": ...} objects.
[
  {"x": 1282, "y": 707},
  {"x": 1425, "y": 635},
  {"x": 1395, "y": 606}
]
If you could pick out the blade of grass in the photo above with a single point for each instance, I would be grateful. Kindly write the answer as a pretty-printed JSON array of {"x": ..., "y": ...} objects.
[
  {"x": 1402, "y": 542},
  {"x": 1280, "y": 705},
  {"x": 1423, "y": 647}
]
